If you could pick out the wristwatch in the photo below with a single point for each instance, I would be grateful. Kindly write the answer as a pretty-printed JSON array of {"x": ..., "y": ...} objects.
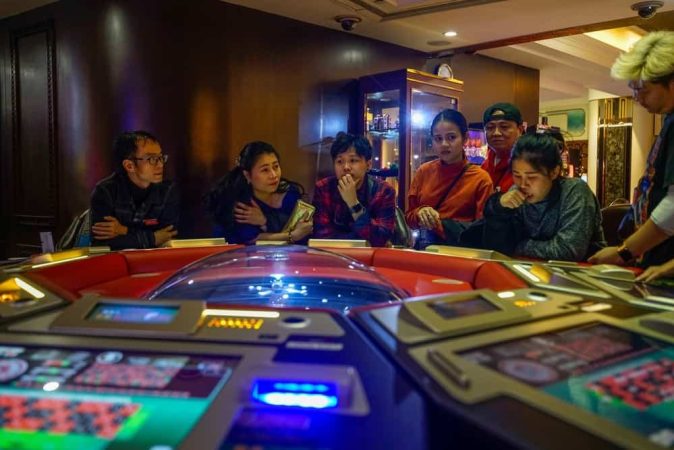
[
  {"x": 355, "y": 209},
  {"x": 625, "y": 253}
]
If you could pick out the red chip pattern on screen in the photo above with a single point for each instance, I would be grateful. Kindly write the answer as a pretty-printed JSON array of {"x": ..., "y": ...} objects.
[{"x": 100, "y": 419}]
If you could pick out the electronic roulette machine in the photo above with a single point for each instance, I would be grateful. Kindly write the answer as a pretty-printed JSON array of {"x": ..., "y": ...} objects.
[{"x": 293, "y": 347}]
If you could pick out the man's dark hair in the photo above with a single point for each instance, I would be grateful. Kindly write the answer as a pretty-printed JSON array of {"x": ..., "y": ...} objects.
[
  {"x": 126, "y": 144},
  {"x": 344, "y": 141}
]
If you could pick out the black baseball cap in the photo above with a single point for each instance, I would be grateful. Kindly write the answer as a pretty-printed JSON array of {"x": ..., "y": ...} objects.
[{"x": 502, "y": 111}]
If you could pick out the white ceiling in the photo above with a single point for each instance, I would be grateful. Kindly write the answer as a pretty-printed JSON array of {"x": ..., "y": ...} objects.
[{"x": 569, "y": 65}]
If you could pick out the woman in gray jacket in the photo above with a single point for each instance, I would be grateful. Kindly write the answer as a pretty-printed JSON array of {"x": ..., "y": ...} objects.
[{"x": 543, "y": 215}]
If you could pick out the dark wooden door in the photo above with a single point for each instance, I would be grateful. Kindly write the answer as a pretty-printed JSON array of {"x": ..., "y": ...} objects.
[{"x": 33, "y": 188}]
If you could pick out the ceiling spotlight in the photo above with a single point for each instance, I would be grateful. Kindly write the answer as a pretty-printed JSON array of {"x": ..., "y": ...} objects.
[
  {"x": 450, "y": 33},
  {"x": 647, "y": 9}
]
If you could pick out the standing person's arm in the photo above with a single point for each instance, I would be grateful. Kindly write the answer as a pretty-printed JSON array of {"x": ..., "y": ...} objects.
[
  {"x": 645, "y": 238},
  {"x": 655, "y": 272},
  {"x": 658, "y": 228}
]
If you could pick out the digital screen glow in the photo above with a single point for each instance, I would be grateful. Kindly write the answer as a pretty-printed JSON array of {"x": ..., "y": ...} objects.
[
  {"x": 72, "y": 398},
  {"x": 118, "y": 313},
  {"x": 617, "y": 374}
]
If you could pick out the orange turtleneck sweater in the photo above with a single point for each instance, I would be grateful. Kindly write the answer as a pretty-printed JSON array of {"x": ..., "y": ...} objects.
[{"x": 464, "y": 202}]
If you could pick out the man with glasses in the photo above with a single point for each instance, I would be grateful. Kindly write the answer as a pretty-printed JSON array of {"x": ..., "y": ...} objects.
[
  {"x": 134, "y": 207},
  {"x": 649, "y": 69},
  {"x": 353, "y": 204},
  {"x": 503, "y": 126}
]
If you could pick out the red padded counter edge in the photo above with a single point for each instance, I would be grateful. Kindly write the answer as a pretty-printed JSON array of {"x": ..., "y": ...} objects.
[
  {"x": 101, "y": 272},
  {"x": 478, "y": 273},
  {"x": 69, "y": 278},
  {"x": 362, "y": 254},
  {"x": 163, "y": 259}
]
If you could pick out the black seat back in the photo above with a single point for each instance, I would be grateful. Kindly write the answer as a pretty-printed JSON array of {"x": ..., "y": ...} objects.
[
  {"x": 611, "y": 216},
  {"x": 78, "y": 233}
]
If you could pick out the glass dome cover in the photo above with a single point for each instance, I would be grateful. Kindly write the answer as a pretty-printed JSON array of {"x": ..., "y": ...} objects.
[{"x": 280, "y": 276}]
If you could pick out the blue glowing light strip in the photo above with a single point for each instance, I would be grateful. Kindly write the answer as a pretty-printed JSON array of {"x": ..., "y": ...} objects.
[{"x": 295, "y": 394}]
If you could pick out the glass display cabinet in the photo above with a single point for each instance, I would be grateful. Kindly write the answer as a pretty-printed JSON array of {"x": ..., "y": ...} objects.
[{"x": 397, "y": 109}]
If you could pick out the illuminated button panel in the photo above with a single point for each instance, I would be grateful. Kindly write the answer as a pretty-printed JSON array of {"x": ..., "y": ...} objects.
[
  {"x": 330, "y": 388},
  {"x": 237, "y": 323},
  {"x": 301, "y": 394},
  {"x": 268, "y": 325}
]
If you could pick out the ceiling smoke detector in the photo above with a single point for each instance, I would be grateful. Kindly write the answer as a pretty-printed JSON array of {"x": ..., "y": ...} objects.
[{"x": 647, "y": 9}]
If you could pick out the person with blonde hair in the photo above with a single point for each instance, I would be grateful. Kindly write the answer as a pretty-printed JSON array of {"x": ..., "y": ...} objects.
[{"x": 649, "y": 67}]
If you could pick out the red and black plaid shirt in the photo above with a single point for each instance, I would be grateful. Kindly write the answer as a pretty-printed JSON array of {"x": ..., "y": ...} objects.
[{"x": 333, "y": 219}]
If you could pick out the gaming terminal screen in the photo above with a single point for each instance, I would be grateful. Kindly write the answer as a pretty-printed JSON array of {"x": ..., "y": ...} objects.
[
  {"x": 463, "y": 308},
  {"x": 103, "y": 399},
  {"x": 617, "y": 374},
  {"x": 118, "y": 313}
]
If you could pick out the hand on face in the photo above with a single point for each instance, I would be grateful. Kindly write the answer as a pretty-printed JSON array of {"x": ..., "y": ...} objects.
[
  {"x": 250, "y": 214},
  {"x": 428, "y": 217},
  {"x": 347, "y": 189},
  {"x": 109, "y": 229},
  {"x": 513, "y": 199}
]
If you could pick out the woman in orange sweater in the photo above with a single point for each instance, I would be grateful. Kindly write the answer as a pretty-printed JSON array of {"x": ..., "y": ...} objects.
[{"x": 448, "y": 193}]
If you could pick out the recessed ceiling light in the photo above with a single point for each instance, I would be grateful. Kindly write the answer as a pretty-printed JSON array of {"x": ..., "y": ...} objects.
[{"x": 450, "y": 33}]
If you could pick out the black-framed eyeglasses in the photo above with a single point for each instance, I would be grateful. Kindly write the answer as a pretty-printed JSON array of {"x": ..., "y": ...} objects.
[{"x": 153, "y": 160}]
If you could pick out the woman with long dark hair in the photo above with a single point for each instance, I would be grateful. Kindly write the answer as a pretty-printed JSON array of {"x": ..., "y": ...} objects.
[
  {"x": 448, "y": 193},
  {"x": 253, "y": 202},
  {"x": 543, "y": 215}
]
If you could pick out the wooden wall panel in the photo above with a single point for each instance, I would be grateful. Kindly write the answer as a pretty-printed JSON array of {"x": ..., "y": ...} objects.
[
  {"x": 489, "y": 80},
  {"x": 34, "y": 152},
  {"x": 206, "y": 77}
]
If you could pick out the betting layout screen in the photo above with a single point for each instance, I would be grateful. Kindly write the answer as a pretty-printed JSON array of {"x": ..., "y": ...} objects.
[
  {"x": 617, "y": 374},
  {"x": 83, "y": 398}
]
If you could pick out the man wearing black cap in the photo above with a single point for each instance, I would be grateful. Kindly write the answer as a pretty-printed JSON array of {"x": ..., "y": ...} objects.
[{"x": 503, "y": 126}]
